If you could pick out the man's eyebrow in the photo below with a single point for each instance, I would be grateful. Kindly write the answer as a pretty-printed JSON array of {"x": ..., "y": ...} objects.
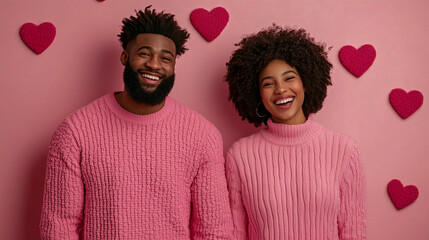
[
  {"x": 150, "y": 48},
  {"x": 168, "y": 52},
  {"x": 144, "y": 47}
]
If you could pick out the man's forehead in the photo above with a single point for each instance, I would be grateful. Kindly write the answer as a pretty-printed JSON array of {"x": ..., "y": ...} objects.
[{"x": 154, "y": 41}]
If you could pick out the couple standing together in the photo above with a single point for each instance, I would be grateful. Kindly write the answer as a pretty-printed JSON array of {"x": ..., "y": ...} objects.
[{"x": 137, "y": 164}]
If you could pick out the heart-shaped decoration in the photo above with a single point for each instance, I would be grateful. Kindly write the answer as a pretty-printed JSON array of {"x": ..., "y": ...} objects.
[
  {"x": 401, "y": 196},
  {"x": 357, "y": 61},
  {"x": 209, "y": 24},
  {"x": 405, "y": 104},
  {"x": 38, "y": 38}
]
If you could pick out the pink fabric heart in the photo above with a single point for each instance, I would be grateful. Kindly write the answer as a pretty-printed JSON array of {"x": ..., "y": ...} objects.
[
  {"x": 209, "y": 24},
  {"x": 401, "y": 196},
  {"x": 38, "y": 38},
  {"x": 405, "y": 104},
  {"x": 357, "y": 61}
]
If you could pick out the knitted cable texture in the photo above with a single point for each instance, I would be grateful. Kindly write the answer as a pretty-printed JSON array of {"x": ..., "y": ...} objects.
[{"x": 296, "y": 182}]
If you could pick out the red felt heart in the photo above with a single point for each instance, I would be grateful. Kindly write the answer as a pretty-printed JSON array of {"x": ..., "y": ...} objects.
[
  {"x": 38, "y": 38},
  {"x": 357, "y": 61},
  {"x": 405, "y": 104},
  {"x": 209, "y": 24},
  {"x": 401, "y": 196}
]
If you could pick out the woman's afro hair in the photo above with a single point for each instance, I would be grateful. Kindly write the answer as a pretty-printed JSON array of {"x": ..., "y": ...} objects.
[
  {"x": 151, "y": 22},
  {"x": 296, "y": 48}
]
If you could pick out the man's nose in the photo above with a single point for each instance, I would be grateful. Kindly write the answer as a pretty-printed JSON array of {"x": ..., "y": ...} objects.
[{"x": 153, "y": 63}]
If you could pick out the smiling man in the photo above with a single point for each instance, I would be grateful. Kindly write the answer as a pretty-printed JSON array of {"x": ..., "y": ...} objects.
[
  {"x": 149, "y": 62},
  {"x": 137, "y": 164}
]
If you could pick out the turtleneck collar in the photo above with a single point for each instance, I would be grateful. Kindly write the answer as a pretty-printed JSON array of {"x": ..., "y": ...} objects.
[
  {"x": 284, "y": 134},
  {"x": 114, "y": 106}
]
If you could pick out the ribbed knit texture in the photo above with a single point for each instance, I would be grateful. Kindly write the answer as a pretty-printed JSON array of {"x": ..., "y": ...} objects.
[
  {"x": 296, "y": 182},
  {"x": 112, "y": 174}
]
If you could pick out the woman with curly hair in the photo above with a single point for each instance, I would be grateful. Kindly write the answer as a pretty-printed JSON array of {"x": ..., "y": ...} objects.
[{"x": 293, "y": 179}]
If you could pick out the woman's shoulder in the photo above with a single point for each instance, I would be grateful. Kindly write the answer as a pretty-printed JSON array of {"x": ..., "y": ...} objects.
[
  {"x": 248, "y": 141},
  {"x": 336, "y": 138}
]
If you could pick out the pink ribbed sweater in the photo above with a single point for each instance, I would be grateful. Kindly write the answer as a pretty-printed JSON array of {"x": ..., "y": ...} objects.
[
  {"x": 112, "y": 174},
  {"x": 296, "y": 182}
]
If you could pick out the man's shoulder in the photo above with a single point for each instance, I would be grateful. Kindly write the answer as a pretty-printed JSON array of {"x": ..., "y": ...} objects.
[
  {"x": 88, "y": 113},
  {"x": 92, "y": 107},
  {"x": 179, "y": 106},
  {"x": 189, "y": 115}
]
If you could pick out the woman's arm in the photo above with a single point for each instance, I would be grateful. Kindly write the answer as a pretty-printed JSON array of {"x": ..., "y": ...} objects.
[
  {"x": 239, "y": 214},
  {"x": 352, "y": 217}
]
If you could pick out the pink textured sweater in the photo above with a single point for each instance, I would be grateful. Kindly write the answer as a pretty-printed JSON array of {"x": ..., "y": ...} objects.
[
  {"x": 296, "y": 182},
  {"x": 112, "y": 174}
]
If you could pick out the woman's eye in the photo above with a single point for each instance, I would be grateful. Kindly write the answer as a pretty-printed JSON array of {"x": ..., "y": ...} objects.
[
  {"x": 290, "y": 78},
  {"x": 266, "y": 84}
]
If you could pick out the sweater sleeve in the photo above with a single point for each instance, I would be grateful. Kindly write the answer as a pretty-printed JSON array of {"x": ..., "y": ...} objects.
[
  {"x": 63, "y": 200},
  {"x": 239, "y": 214},
  {"x": 351, "y": 220},
  {"x": 211, "y": 215}
]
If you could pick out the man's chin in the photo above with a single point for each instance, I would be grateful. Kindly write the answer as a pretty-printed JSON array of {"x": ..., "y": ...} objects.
[{"x": 149, "y": 90}]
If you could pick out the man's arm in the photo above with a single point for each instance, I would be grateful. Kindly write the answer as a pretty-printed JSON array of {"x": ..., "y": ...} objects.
[
  {"x": 211, "y": 213},
  {"x": 63, "y": 201}
]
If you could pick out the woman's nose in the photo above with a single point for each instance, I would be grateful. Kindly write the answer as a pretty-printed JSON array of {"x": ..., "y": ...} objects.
[{"x": 280, "y": 88}]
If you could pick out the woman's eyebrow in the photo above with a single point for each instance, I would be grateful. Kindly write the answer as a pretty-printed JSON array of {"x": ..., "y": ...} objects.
[
  {"x": 270, "y": 77},
  {"x": 287, "y": 72}
]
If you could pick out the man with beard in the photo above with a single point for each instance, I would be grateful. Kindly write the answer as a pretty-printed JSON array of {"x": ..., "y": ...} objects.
[{"x": 137, "y": 164}]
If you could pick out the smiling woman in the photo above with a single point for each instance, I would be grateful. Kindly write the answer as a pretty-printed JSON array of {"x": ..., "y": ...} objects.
[
  {"x": 282, "y": 92},
  {"x": 293, "y": 179}
]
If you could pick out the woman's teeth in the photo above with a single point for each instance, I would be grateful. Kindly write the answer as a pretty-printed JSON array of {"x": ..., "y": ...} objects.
[
  {"x": 284, "y": 101},
  {"x": 151, "y": 77}
]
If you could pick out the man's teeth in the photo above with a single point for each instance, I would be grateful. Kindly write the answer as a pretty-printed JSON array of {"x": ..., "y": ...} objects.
[
  {"x": 150, "y": 77},
  {"x": 283, "y": 101}
]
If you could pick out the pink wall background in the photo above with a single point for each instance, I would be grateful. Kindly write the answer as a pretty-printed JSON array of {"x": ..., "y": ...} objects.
[{"x": 38, "y": 91}]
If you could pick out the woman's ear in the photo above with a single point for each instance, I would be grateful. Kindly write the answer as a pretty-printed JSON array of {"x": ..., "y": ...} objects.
[{"x": 124, "y": 57}]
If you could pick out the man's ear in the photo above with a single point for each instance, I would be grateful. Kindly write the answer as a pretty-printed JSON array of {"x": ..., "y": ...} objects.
[{"x": 124, "y": 57}]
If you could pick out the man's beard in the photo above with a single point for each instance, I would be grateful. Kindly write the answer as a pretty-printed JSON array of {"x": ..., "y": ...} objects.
[{"x": 139, "y": 94}]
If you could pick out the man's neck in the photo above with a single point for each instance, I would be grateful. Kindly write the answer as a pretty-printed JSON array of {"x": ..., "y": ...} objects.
[{"x": 125, "y": 101}]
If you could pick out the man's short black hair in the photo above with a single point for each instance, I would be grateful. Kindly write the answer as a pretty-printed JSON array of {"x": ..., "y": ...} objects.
[{"x": 149, "y": 21}]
